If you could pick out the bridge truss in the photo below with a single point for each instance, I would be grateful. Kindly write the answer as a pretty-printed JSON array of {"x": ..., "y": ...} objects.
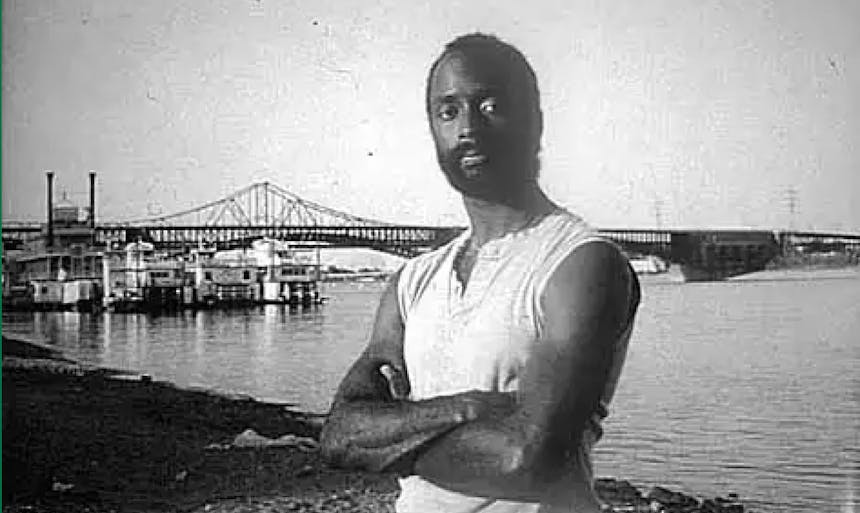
[
  {"x": 259, "y": 204},
  {"x": 267, "y": 210}
]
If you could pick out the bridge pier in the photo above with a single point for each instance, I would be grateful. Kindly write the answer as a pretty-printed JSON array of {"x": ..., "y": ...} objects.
[{"x": 709, "y": 256}]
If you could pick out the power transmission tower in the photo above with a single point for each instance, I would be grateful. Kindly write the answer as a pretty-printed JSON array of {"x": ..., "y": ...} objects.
[
  {"x": 790, "y": 199},
  {"x": 658, "y": 213}
]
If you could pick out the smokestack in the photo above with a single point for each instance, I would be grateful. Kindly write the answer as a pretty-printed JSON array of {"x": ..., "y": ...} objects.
[
  {"x": 93, "y": 200},
  {"x": 50, "y": 208}
]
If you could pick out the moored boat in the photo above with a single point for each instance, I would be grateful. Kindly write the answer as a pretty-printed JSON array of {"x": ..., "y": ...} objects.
[{"x": 648, "y": 264}]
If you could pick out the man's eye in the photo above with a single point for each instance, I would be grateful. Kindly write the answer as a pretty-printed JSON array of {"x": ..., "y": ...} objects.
[
  {"x": 447, "y": 112},
  {"x": 490, "y": 106}
]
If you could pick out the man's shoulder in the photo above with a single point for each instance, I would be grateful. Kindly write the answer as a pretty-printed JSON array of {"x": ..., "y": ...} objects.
[
  {"x": 561, "y": 222},
  {"x": 572, "y": 243},
  {"x": 572, "y": 231},
  {"x": 560, "y": 232}
]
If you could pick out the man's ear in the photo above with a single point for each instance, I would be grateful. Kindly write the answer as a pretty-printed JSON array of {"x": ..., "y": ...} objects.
[{"x": 533, "y": 130}]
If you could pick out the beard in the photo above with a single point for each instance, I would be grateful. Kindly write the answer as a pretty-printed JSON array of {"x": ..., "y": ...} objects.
[{"x": 501, "y": 178}]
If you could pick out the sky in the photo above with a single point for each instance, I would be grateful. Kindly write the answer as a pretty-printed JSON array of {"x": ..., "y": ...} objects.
[{"x": 669, "y": 113}]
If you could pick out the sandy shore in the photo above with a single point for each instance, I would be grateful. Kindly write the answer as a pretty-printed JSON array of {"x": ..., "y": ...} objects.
[{"x": 78, "y": 439}]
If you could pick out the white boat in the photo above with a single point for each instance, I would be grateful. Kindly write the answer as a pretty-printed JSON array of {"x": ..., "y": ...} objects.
[{"x": 648, "y": 264}]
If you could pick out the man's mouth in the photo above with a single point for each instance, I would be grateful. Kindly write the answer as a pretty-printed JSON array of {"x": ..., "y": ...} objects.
[{"x": 471, "y": 162}]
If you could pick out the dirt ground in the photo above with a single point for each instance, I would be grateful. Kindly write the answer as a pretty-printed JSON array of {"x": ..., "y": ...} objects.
[{"x": 130, "y": 445}]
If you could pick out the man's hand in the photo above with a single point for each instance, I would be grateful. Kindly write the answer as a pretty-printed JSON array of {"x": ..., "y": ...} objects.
[{"x": 398, "y": 385}]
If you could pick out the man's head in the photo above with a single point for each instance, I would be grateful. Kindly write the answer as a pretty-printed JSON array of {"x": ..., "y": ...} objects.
[{"x": 483, "y": 105}]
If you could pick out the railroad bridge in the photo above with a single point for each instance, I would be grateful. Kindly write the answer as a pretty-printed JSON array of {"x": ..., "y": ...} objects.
[{"x": 267, "y": 210}]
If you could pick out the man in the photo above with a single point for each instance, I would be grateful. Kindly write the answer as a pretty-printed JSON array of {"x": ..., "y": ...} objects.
[{"x": 492, "y": 359}]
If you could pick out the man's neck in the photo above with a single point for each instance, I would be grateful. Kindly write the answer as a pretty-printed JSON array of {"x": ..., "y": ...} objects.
[{"x": 491, "y": 220}]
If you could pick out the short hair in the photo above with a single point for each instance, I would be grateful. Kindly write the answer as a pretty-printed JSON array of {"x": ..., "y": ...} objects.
[{"x": 505, "y": 54}]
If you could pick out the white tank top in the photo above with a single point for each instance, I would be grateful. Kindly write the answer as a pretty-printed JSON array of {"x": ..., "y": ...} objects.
[{"x": 481, "y": 338}]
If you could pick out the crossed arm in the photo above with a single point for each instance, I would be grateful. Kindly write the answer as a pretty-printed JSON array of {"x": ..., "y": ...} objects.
[
  {"x": 487, "y": 443},
  {"x": 372, "y": 425}
]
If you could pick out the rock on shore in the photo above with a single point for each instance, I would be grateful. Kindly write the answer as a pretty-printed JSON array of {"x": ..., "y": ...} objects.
[{"x": 621, "y": 496}]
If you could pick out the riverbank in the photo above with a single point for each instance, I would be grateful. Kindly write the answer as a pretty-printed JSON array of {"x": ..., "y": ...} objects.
[{"x": 79, "y": 438}]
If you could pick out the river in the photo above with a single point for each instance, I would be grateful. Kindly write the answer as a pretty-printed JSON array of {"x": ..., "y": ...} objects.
[{"x": 748, "y": 386}]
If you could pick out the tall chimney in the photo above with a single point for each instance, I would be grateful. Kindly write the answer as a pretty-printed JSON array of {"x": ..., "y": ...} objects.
[
  {"x": 93, "y": 200},
  {"x": 50, "y": 208}
]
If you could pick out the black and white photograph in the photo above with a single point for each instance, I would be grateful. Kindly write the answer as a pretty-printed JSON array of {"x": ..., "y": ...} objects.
[{"x": 556, "y": 256}]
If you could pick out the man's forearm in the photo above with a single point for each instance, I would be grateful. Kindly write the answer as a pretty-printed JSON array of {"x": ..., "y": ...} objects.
[
  {"x": 477, "y": 459},
  {"x": 375, "y": 434}
]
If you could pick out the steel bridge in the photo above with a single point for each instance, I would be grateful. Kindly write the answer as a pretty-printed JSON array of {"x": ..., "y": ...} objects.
[
  {"x": 267, "y": 210},
  {"x": 254, "y": 212}
]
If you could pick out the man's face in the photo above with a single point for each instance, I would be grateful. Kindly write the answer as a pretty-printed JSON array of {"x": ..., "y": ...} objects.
[{"x": 481, "y": 122}]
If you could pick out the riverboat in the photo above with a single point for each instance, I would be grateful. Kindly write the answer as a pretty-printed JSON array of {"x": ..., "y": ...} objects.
[
  {"x": 289, "y": 276},
  {"x": 221, "y": 280},
  {"x": 58, "y": 271},
  {"x": 138, "y": 279},
  {"x": 648, "y": 264}
]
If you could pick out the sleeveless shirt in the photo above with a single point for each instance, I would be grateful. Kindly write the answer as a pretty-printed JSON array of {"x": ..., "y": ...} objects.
[{"x": 480, "y": 338}]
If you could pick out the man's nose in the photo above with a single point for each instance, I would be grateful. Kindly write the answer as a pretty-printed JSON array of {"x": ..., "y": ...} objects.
[{"x": 470, "y": 123}]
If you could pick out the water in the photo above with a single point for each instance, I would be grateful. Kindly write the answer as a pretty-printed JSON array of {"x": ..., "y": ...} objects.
[{"x": 749, "y": 386}]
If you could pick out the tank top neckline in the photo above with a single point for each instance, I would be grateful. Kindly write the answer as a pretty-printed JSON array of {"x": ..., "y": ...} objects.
[
  {"x": 462, "y": 297},
  {"x": 494, "y": 248}
]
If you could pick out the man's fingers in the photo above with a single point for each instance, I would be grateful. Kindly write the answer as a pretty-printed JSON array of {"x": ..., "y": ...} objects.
[
  {"x": 397, "y": 385},
  {"x": 387, "y": 371}
]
